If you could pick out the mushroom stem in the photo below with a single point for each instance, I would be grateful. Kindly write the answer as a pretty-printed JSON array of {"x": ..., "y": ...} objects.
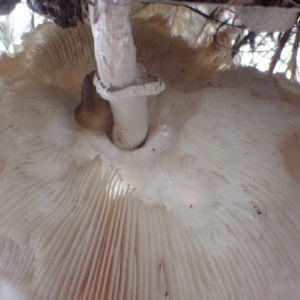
[
  {"x": 120, "y": 80},
  {"x": 131, "y": 122}
]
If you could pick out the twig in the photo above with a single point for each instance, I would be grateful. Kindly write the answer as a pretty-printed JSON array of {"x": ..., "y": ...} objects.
[
  {"x": 294, "y": 3},
  {"x": 199, "y": 12},
  {"x": 200, "y": 32},
  {"x": 249, "y": 37},
  {"x": 292, "y": 65},
  {"x": 282, "y": 39}
]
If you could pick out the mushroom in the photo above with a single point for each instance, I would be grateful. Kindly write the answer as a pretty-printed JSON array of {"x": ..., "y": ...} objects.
[{"x": 207, "y": 208}]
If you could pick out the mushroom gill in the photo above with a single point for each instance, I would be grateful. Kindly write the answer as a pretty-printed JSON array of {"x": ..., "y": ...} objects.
[{"x": 207, "y": 208}]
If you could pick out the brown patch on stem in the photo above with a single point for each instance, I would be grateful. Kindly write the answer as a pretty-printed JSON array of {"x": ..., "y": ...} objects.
[{"x": 93, "y": 111}]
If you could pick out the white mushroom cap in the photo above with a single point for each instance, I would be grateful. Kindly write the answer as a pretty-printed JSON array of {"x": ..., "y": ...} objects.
[{"x": 215, "y": 216}]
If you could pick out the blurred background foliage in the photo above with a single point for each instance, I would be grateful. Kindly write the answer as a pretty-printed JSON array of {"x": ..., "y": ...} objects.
[
  {"x": 269, "y": 52},
  {"x": 14, "y": 25}
]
